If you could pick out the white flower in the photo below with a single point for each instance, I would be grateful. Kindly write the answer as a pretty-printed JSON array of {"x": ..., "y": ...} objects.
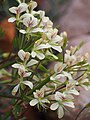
[
  {"x": 22, "y": 67},
  {"x": 23, "y": 72},
  {"x": 21, "y": 8},
  {"x": 30, "y": 22},
  {"x": 16, "y": 88},
  {"x": 70, "y": 59},
  {"x": 17, "y": 10},
  {"x": 61, "y": 100},
  {"x": 54, "y": 40},
  {"x": 40, "y": 13},
  {"x": 39, "y": 98},
  {"x": 46, "y": 23}
]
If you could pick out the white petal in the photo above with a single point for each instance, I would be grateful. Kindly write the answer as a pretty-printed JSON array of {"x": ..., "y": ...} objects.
[
  {"x": 73, "y": 91},
  {"x": 44, "y": 101},
  {"x": 22, "y": 31},
  {"x": 21, "y": 54},
  {"x": 37, "y": 30},
  {"x": 13, "y": 10},
  {"x": 28, "y": 83},
  {"x": 33, "y": 102},
  {"x": 15, "y": 89},
  {"x": 12, "y": 19},
  {"x": 33, "y": 5},
  {"x": 27, "y": 74},
  {"x": 16, "y": 65},
  {"x": 60, "y": 112},
  {"x": 33, "y": 54},
  {"x": 57, "y": 48},
  {"x": 69, "y": 104},
  {"x": 43, "y": 46},
  {"x": 32, "y": 62},
  {"x": 54, "y": 106},
  {"x": 57, "y": 39},
  {"x": 41, "y": 56},
  {"x": 22, "y": 7}
]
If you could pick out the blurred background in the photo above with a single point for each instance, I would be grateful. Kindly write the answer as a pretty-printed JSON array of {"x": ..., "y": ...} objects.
[{"x": 72, "y": 16}]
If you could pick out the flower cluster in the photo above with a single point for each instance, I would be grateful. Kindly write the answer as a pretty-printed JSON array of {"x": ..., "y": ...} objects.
[{"x": 40, "y": 45}]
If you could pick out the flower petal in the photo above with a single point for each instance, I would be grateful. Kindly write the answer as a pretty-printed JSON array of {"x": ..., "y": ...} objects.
[
  {"x": 28, "y": 83},
  {"x": 54, "y": 106},
  {"x": 60, "y": 112},
  {"x": 22, "y": 31},
  {"x": 33, "y": 102},
  {"x": 13, "y": 10},
  {"x": 12, "y": 19},
  {"x": 57, "y": 48},
  {"x": 41, "y": 56},
  {"x": 16, "y": 65},
  {"x": 21, "y": 54},
  {"x": 69, "y": 104},
  {"x": 33, "y": 54},
  {"x": 22, "y": 7},
  {"x": 32, "y": 62},
  {"x": 15, "y": 89}
]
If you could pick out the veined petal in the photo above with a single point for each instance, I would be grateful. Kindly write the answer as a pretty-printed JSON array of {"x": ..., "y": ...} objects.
[
  {"x": 41, "y": 56},
  {"x": 13, "y": 10},
  {"x": 57, "y": 48},
  {"x": 69, "y": 104},
  {"x": 15, "y": 89},
  {"x": 27, "y": 74},
  {"x": 60, "y": 112},
  {"x": 33, "y": 102},
  {"x": 28, "y": 83},
  {"x": 22, "y": 7},
  {"x": 16, "y": 65},
  {"x": 21, "y": 54},
  {"x": 12, "y": 19},
  {"x": 32, "y": 62},
  {"x": 22, "y": 31},
  {"x": 54, "y": 106}
]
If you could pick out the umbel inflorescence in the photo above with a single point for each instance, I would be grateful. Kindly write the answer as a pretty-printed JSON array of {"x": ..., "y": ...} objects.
[{"x": 38, "y": 44}]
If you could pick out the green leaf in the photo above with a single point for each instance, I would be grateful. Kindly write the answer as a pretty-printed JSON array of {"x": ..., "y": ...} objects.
[
  {"x": 16, "y": 110},
  {"x": 5, "y": 81}
]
